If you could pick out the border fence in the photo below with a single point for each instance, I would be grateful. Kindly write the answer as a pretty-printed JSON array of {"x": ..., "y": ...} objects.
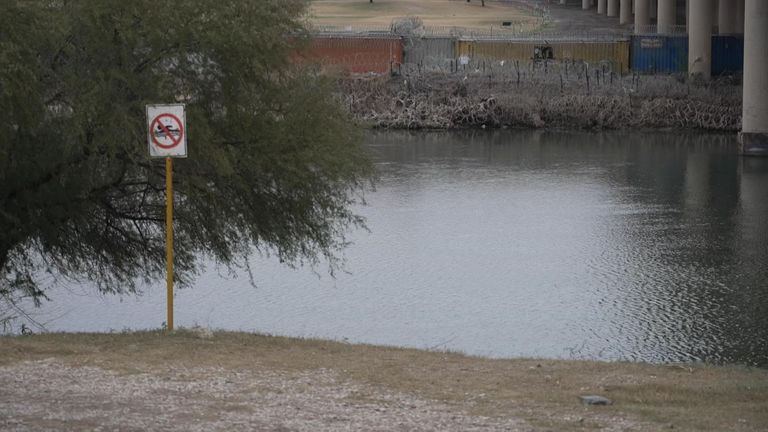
[{"x": 387, "y": 49}]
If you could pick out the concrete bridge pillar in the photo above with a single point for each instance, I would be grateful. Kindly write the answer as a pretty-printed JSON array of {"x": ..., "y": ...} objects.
[
  {"x": 753, "y": 139},
  {"x": 585, "y": 4},
  {"x": 642, "y": 17},
  {"x": 726, "y": 16},
  {"x": 739, "y": 16},
  {"x": 700, "y": 38},
  {"x": 602, "y": 6},
  {"x": 667, "y": 16},
  {"x": 613, "y": 8},
  {"x": 625, "y": 12}
]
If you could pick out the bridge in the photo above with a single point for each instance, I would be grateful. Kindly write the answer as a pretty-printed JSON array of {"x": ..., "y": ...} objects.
[{"x": 699, "y": 19}]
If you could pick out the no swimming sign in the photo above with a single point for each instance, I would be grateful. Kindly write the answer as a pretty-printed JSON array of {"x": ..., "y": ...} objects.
[{"x": 167, "y": 134}]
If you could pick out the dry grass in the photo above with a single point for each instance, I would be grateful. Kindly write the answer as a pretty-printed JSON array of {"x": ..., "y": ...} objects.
[
  {"x": 527, "y": 394},
  {"x": 432, "y": 12}
]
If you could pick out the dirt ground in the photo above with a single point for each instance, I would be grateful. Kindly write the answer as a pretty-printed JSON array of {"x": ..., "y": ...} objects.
[
  {"x": 571, "y": 19},
  {"x": 198, "y": 380},
  {"x": 567, "y": 19},
  {"x": 432, "y": 12}
]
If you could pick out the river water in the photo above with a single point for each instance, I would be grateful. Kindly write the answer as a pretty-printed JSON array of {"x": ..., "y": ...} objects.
[{"x": 614, "y": 246}]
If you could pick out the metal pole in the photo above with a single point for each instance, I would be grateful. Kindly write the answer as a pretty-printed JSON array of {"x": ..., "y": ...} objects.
[{"x": 169, "y": 237}]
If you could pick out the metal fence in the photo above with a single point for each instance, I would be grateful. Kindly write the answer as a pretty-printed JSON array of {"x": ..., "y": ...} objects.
[
  {"x": 429, "y": 50},
  {"x": 361, "y": 49},
  {"x": 514, "y": 29},
  {"x": 653, "y": 29}
]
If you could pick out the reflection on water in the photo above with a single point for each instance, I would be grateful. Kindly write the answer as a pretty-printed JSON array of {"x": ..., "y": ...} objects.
[{"x": 630, "y": 246}]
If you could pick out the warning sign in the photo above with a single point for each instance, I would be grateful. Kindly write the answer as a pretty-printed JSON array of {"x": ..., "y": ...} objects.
[{"x": 167, "y": 130}]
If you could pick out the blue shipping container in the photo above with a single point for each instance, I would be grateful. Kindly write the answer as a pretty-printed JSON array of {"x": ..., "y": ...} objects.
[
  {"x": 669, "y": 54},
  {"x": 659, "y": 53},
  {"x": 727, "y": 54}
]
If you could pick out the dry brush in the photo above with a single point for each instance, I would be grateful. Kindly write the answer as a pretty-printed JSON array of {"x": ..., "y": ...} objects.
[{"x": 539, "y": 95}]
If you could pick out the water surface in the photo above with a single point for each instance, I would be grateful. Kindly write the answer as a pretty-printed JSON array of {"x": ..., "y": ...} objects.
[{"x": 615, "y": 246}]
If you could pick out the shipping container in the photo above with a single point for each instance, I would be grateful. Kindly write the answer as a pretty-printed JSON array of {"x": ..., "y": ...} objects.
[
  {"x": 669, "y": 54},
  {"x": 727, "y": 54},
  {"x": 378, "y": 54},
  {"x": 614, "y": 54},
  {"x": 660, "y": 53}
]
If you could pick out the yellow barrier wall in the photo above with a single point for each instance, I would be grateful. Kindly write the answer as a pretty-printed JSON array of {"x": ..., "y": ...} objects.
[{"x": 616, "y": 53}]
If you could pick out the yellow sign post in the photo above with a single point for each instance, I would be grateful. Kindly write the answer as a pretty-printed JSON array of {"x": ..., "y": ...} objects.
[
  {"x": 167, "y": 138},
  {"x": 169, "y": 237}
]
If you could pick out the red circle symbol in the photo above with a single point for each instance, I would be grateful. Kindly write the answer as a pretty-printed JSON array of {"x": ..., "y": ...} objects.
[{"x": 174, "y": 131}]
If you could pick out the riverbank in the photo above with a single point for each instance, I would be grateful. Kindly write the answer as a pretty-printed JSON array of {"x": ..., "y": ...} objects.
[
  {"x": 198, "y": 380},
  {"x": 567, "y": 96}
]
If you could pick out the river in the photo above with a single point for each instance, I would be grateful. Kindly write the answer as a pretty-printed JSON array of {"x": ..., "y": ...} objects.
[{"x": 613, "y": 246}]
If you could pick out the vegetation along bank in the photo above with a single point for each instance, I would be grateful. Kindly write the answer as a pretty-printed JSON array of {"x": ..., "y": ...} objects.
[{"x": 540, "y": 95}]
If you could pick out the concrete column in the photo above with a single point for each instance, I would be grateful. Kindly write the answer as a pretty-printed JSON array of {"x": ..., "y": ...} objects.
[
  {"x": 641, "y": 15},
  {"x": 613, "y": 8},
  {"x": 602, "y": 6},
  {"x": 700, "y": 39},
  {"x": 754, "y": 130},
  {"x": 653, "y": 8},
  {"x": 625, "y": 12},
  {"x": 726, "y": 17},
  {"x": 667, "y": 16},
  {"x": 585, "y": 4},
  {"x": 740, "y": 16}
]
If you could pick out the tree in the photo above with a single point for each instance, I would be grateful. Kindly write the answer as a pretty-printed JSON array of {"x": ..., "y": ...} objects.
[{"x": 274, "y": 164}]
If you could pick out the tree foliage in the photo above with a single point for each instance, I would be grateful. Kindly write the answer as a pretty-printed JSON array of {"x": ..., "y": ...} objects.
[{"x": 274, "y": 164}]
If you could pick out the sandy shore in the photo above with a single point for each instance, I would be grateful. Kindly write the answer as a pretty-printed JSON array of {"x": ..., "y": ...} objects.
[
  {"x": 48, "y": 394},
  {"x": 198, "y": 380}
]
